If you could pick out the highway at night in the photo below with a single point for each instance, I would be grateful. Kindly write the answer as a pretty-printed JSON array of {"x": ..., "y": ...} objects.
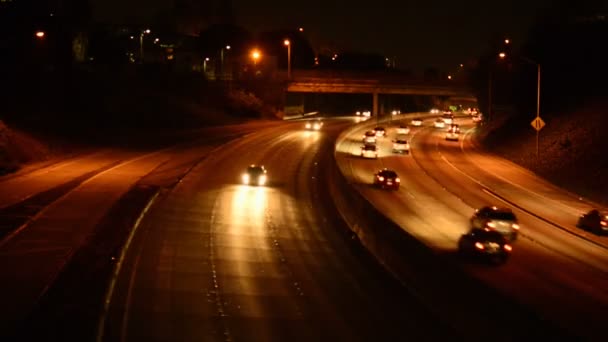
[{"x": 556, "y": 268}]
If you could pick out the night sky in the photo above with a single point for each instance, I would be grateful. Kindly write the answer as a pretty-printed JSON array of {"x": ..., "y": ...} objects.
[{"x": 419, "y": 33}]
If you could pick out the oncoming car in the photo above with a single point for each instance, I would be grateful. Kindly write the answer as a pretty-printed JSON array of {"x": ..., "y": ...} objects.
[
  {"x": 400, "y": 145},
  {"x": 369, "y": 151},
  {"x": 493, "y": 218},
  {"x": 417, "y": 122},
  {"x": 314, "y": 125},
  {"x": 434, "y": 111},
  {"x": 480, "y": 243},
  {"x": 387, "y": 179},
  {"x": 255, "y": 175}
]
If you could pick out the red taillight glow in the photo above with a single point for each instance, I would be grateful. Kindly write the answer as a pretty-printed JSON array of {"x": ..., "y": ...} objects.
[
  {"x": 380, "y": 178},
  {"x": 604, "y": 223},
  {"x": 515, "y": 226},
  {"x": 479, "y": 245},
  {"x": 508, "y": 248}
]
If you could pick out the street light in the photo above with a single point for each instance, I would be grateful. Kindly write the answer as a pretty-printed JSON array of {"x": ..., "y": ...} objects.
[
  {"x": 141, "y": 44},
  {"x": 40, "y": 34},
  {"x": 287, "y": 43},
  {"x": 528, "y": 60},
  {"x": 205, "y": 65},
  {"x": 255, "y": 55}
]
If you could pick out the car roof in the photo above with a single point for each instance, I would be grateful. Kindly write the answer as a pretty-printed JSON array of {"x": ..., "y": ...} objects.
[{"x": 387, "y": 172}]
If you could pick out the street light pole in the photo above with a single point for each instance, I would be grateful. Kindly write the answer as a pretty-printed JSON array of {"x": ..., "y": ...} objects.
[
  {"x": 141, "y": 44},
  {"x": 287, "y": 43},
  {"x": 227, "y": 47}
]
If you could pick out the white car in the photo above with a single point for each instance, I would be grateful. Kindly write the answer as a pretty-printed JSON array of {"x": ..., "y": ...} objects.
[
  {"x": 401, "y": 146},
  {"x": 448, "y": 118},
  {"x": 416, "y": 122},
  {"x": 403, "y": 130},
  {"x": 314, "y": 125},
  {"x": 369, "y": 151},
  {"x": 452, "y": 135},
  {"x": 380, "y": 132},
  {"x": 439, "y": 123}
]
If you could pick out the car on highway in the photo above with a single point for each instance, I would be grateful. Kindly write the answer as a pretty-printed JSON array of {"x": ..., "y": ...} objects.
[
  {"x": 380, "y": 131},
  {"x": 387, "y": 179},
  {"x": 448, "y": 118},
  {"x": 477, "y": 118},
  {"x": 314, "y": 125},
  {"x": 369, "y": 138},
  {"x": 396, "y": 112},
  {"x": 365, "y": 113},
  {"x": 492, "y": 218},
  {"x": 400, "y": 145},
  {"x": 439, "y": 123},
  {"x": 594, "y": 221},
  {"x": 487, "y": 245},
  {"x": 403, "y": 129},
  {"x": 434, "y": 111},
  {"x": 417, "y": 122},
  {"x": 369, "y": 151},
  {"x": 453, "y": 133},
  {"x": 255, "y": 175}
]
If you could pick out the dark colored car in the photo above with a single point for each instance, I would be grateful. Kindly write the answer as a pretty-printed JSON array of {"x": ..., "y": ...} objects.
[
  {"x": 387, "y": 179},
  {"x": 487, "y": 245},
  {"x": 502, "y": 220},
  {"x": 594, "y": 221},
  {"x": 255, "y": 175}
]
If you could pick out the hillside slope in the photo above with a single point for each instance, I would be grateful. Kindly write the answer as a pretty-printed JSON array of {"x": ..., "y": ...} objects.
[{"x": 572, "y": 148}]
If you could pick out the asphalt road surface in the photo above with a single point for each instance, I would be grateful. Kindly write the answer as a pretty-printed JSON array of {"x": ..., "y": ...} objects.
[
  {"x": 557, "y": 269},
  {"x": 215, "y": 260}
]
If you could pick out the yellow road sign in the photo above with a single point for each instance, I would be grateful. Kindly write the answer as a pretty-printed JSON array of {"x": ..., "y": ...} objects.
[{"x": 538, "y": 123}]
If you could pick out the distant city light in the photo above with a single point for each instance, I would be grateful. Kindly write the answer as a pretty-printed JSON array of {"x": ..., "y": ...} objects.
[
  {"x": 227, "y": 47},
  {"x": 507, "y": 41},
  {"x": 461, "y": 65},
  {"x": 147, "y": 31},
  {"x": 502, "y": 55},
  {"x": 40, "y": 34},
  {"x": 301, "y": 29},
  {"x": 286, "y": 42},
  {"x": 449, "y": 77}
]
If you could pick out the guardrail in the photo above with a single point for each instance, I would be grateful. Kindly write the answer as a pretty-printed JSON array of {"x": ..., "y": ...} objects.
[{"x": 474, "y": 309}]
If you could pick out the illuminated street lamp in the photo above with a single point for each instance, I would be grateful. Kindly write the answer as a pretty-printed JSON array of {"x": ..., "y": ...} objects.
[
  {"x": 205, "y": 64},
  {"x": 507, "y": 41},
  {"x": 528, "y": 60},
  {"x": 301, "y": 29},
  {"x": 287, "y": 43},
  {"x": 255, "y": 55},
  {"x": 40, "y": 34}
]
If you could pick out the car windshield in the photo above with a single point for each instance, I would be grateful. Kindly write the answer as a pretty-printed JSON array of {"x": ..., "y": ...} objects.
[
  {"x": 370, "y": 133},
  {"x": 379, "y": 129},
  {"x": 400, "y": 141},
  {"x": 501, "y": 215},
  {"x": 369, "y": 147}
]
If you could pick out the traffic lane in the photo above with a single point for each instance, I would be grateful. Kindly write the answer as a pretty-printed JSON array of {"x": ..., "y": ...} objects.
[
  {"x": 531, "y": 191},
  {"x": 16, "y": 189},
  {"x": 450, "y": 168},
  {"x": 267, "y": 266},
  {"x": 558, "y": 281}
]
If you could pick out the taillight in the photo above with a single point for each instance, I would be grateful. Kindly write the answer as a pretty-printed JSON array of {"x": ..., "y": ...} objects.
[
  {"x": 508, "y": 248},
  {"x": 397, "y": 180},
  {"x": 604, "y": 223},
  {"x": 381, "y": 178},
  {"x": 515, "y": 226},
  {"x": 479, "y": 245}
]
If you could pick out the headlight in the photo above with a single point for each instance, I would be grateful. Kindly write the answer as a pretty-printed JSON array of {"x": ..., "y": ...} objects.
[
  {"x": 308, "y": 125},
  {"x": 381, "y": 178},
  {"x": 491, "y": 224},
  {"x": 515, "y": 226},
  {"x": 479, "y": 245},
  {"x": 508, "y": 248},
  {"x": 317, "y": 126},
  {"x": 262, "y": 180},
  {"x": 397, "y": 180},
  {"x": 245, "y": 178}
]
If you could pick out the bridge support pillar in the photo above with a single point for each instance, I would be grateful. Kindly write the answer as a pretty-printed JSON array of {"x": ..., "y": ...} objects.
[{"x": 375, "y": 105}]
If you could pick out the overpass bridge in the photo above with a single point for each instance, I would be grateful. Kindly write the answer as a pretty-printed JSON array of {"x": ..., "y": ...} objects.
[{"x": 375, "y": 83}]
